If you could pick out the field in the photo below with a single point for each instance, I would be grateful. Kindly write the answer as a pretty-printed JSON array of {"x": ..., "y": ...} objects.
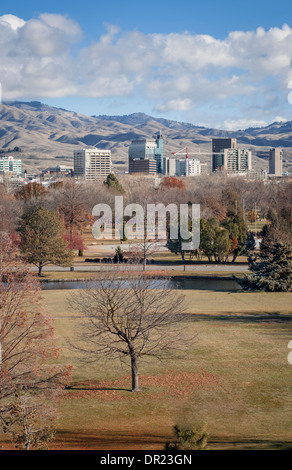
[{"x": 236, "y": 380}]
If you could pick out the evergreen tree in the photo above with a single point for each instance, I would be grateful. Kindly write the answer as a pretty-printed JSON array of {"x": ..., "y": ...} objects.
[
  {"x": 119, "y": 255},
  {"x": 215, "y": 241},
  {"x": 250, "y": 243},
  {"x": 112, "y": 182},
  {"x": 271, "y": 269},
  {"x": 237, "y": 233}
]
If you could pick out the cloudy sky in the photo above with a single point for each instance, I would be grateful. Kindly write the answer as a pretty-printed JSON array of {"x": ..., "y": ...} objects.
[{"x": 216, "y": 64}]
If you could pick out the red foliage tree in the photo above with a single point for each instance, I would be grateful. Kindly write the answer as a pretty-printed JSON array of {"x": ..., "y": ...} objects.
[{"x": 173, "y": 182}]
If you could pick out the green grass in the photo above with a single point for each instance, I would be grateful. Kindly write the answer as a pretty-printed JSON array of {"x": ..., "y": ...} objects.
[{"x": 236, "y": 378}]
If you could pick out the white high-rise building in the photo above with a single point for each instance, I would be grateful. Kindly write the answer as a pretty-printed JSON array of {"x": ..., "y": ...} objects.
[
  {"x": 92, "y": 164},
  {"x": 188, "y": 167}
]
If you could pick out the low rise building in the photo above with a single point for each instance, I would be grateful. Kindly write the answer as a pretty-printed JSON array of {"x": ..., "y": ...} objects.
[
  {"x": 10, "y": 165},
  {"x": 141, "y": 165}
]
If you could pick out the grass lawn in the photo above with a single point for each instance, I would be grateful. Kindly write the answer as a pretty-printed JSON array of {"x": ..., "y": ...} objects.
[{"x": 236, "y": 379}]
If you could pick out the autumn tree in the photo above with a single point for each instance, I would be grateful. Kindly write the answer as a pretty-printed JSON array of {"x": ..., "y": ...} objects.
[
  {"x": 173, "y": 182},
  {"x": 75, "y": 242},
  {"x": 28, "y": 378},
  {"x": 71, "y": 203},
  {"x": 42, "y": 239},
  {"x": 126, "y": 317},
  {"x": 10, "y": 212},
  {"x": 29, "y": 191},
  {"x": 29, "y": 421}
]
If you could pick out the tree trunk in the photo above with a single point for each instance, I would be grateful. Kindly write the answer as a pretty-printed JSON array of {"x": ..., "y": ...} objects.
[
  {"x": 40, "y": 270},
  {"x": 135, "y": 373},
  {"x": 183, "y": 259}
]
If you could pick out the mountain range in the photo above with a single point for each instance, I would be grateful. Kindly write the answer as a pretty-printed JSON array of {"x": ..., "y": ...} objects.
[{"x": 45, "y": 136}]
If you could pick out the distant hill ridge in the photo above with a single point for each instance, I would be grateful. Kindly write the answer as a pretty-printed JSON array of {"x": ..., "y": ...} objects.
[{"x": 44, "y": 133}]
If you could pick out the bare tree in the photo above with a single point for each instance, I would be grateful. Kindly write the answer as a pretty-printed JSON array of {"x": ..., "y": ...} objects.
[
  {"x": 140, "y": 250},
  {"x": 128, "y": 317}
]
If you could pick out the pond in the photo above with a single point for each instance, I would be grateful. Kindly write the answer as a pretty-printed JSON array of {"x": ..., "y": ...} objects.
[{"x": 217, "y": 285}]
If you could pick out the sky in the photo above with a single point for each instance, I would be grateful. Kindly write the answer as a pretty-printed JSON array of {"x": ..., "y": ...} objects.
[{"x": 223, "y": 64}]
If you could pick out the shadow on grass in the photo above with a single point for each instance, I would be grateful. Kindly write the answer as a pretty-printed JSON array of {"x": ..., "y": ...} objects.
[
  {"x": 248, "y": 444},
  {"x": 95, "y": 389},
  {"x": 105, "y": 440},
  {"x": 120, "y": 440},
  {"x": 231, "y": 317}
]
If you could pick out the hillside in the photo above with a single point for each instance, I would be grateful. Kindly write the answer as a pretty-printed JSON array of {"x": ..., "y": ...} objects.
[{"x": 48, "y": 136}]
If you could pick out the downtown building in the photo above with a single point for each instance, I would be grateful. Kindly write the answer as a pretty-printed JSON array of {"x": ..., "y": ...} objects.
[
  {"x": 92, "y": 164},
  {"x": 188, "y": 167},
  {"x": 146, "y": 155},
  {"x": 228, "y": 158},
  {"x": 276, "y": 162},
  {"x": 10, "y": 165},
  {"x": 234, "y": 160},
  {"x": 218, "y": 146}
]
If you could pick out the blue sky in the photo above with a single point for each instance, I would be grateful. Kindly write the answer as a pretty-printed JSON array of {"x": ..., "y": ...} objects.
[{"x": 224, "y": 64}]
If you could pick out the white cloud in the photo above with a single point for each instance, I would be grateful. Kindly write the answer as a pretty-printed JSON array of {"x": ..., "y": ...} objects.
[
  {"x": 174, "y": 72},
  {"x": 12, "y": 22},
  {"x": 232, "y": 125},
  {"x": 280, "y": 119}
]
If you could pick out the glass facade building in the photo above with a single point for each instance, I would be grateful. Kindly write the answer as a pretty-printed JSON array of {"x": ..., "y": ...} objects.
[{"x": 147, "y": 149}]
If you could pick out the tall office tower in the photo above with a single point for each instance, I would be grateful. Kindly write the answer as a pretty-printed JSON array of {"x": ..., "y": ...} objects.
[
  {"x": 276, "y": 162},
  {"x": 218, "y": 145},
  {"x": 188, "y": 167},
  {"x": 92, "y": 164},
  {"x": 147, "y": 149},
  {"x": 9, "y": 165},
  {"x": 169, "y": 168},
  {"x": 232, "y": 160}
]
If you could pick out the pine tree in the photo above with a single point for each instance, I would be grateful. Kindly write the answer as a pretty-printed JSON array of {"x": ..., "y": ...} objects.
[
  {"x": 271, "y": 269},
  {"x": 112, "y": 183},
  {"x": 250, "y": 243}
]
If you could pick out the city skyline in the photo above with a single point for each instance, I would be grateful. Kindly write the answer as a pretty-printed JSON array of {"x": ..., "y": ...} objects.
[{"x": 188, "y": 62}]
